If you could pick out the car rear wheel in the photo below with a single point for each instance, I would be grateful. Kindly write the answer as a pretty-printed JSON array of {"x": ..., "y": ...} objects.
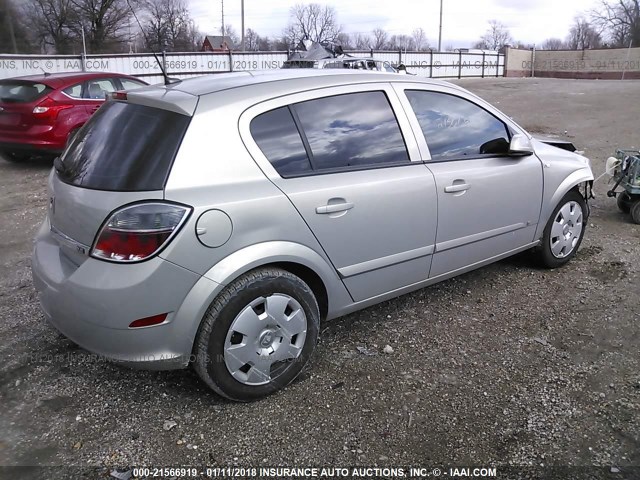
[
  {"x": 258, "y": 335},
  {"x": 624, "y": 202},
  {"x": 635, "y": 212},
  {"x": 564, "y": 231}
]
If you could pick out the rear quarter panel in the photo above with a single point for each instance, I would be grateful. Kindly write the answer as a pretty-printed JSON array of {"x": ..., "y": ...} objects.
[{"x": 214, "y": 170}]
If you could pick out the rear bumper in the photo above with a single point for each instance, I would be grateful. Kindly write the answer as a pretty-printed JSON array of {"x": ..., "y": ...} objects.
[{"x": 93, "y": 304}]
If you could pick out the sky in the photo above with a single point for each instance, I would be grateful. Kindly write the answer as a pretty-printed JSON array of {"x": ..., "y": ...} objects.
[{"x": 464, "y": 22}]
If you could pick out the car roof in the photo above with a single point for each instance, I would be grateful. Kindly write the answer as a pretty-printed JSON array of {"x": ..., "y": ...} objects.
[
  {"x": 224, "y": 81},
  {"x": 183, "y": 96},
  {"x": 57, "y": 80}
]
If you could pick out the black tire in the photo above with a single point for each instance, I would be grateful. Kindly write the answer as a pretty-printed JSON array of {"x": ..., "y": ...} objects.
[
  {"x": 214, "y": 333},
  {"x": 545, "y": 256},
  {"x": 624, "y": 202},
  {"x": 635, "y": 212}
]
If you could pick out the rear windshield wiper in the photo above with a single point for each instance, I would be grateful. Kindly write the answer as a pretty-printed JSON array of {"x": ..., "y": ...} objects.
[{"x": 58, "y": 164}]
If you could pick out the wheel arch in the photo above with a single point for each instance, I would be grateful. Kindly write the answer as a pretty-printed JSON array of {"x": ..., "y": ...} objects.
[
  {"x": 571, "y": 182},
  {"x": 297, "y": 259}
]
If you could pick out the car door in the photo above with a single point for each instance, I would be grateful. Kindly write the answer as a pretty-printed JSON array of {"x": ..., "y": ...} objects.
[
  {"x": 341, "y": 158},
  {"x": 488, "y": 202}
]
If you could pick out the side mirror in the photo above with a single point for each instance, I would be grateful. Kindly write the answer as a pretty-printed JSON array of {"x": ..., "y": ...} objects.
[{"x": 520, "y": 146}]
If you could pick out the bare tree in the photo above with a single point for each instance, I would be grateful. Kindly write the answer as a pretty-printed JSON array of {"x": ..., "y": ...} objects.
[
  {"x": 282, "y": 43},
  {"x": 362, "y": 41},
  {"x": 401, "y": 42},
  {"x": 314, "y": 22},
  {"x": 553, "y": 44},
  {"x": 582, "y": 35},
  {"x": 344, "y": 40},
  {"x": 230, "y": 31},
  {"x": 53, "y": 24},
  {"x": 496, "y": 37},
  {"x": 169, "y": 26},
  {"x": 379, "y": 39},
  {"x": 251, "y": 39},
  {"x": 14, "y": 37},
  {"x": 619, "y": 20},
  {"x": 265, "y": 44},
  {"x": 105, "y": 23},
  {"x": 420, "y": 39}
]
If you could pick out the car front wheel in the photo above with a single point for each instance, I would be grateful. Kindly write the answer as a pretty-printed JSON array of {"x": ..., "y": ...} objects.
[
  {"x": 564, "y": 231},
  {"x": 624, "y": 202},
  {"x": 258, "y": 335}
]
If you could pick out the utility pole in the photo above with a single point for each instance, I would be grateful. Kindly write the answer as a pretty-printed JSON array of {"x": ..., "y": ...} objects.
[
  {"x": 242, "y": 23},
  {"x": 223, "y": 33},
  {"x": 440, "y": 31}
]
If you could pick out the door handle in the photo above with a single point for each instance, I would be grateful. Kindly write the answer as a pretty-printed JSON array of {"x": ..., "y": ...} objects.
[
  {"x": 333, "y": 208},
  {"x": 458, "y": 187}
]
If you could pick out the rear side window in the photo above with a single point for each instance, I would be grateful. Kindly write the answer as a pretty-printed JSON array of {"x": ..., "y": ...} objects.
[
  {"x": 124, "y": 147},
  {"x": 352, "y": 130},
  {"x": 22, "y": 91},
  {"x": 342, "y": 132},
  {"x": 276, "y": 134},
  {"x": 74, "y": 91},
  {"x": 457, "y": 128}
]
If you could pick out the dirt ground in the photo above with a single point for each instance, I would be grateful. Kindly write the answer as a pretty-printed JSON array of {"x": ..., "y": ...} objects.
[{"x": 507, "y": 365}]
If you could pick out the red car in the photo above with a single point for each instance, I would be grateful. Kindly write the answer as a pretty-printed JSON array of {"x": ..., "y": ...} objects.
[{"x": 39, "y": 113}]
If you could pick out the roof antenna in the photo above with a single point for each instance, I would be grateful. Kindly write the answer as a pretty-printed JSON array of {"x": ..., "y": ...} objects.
[
  {"x": 167, "y": 79},
  {"x": 46, "y": 74}
]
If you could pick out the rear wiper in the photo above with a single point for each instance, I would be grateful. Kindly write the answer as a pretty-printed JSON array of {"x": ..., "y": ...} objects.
[{"x": 59, "y": 166}]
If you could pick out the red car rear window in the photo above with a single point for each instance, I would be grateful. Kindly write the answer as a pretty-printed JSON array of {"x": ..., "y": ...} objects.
[{"x": 22, "y": 91}]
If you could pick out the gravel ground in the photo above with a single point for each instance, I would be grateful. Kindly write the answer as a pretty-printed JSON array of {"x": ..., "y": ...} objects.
[{"x": 507, "y": 365}]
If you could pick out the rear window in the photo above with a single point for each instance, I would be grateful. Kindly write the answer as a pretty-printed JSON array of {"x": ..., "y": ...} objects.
[
  {"x": 21, "y": 91},
  {"x": 124, "y": 147}
]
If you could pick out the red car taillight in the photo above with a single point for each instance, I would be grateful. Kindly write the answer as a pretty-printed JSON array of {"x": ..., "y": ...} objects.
[
  {"x": 138, "y": 232},
  {"x": 49, "y": 109}
]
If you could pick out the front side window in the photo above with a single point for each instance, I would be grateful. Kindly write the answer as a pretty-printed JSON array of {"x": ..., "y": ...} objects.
[
  {"x": 456, "y": 128},
  {"x": 99, "y": 88},
  {"x": 352, "y": 130}
]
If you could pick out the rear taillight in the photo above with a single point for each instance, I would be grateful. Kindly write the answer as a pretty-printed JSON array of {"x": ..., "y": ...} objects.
[
  {"x": 49, "y": 109},
  {"x": 139, "y": 231}
]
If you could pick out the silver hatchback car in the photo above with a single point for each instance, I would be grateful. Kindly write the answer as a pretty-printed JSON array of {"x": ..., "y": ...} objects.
[{"x": 216, "y": 221}]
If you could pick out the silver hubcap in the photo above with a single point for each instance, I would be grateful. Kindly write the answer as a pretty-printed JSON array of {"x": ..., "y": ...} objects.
[
  {"x": 566, "y": 229},
  {"x": 264, "y": 338}
]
